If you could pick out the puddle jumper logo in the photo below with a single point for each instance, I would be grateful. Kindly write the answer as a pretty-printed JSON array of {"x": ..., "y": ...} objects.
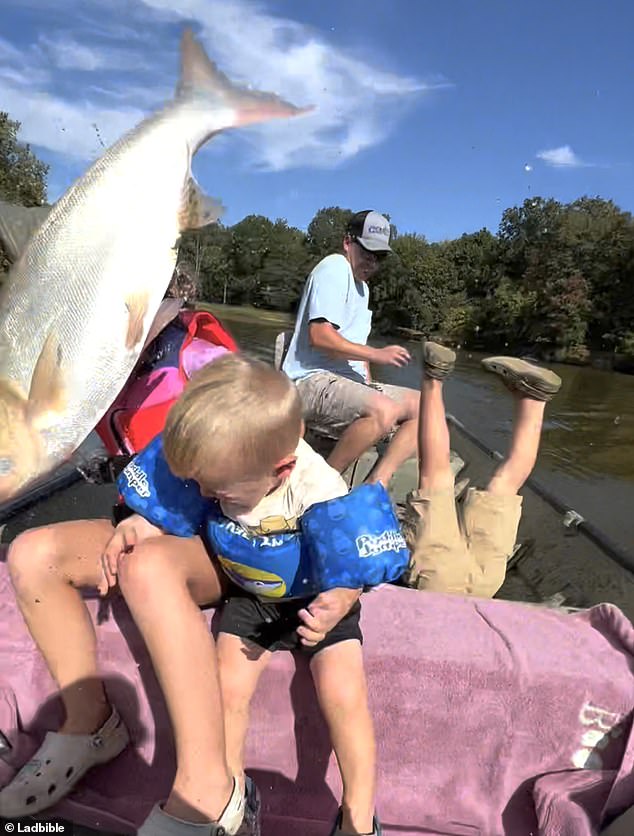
[
  {"x": 136, "y": 478},
  {"x": 372, "y": 545}
]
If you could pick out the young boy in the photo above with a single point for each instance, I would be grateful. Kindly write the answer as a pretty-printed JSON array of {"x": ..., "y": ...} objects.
[
  {"x": 236, "y": 431},
  {"x": 465, "y": 551},
  {"x": 258, "y": 618}
]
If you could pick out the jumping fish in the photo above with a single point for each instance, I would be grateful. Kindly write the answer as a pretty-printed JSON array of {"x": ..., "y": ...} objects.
[{"x": 77, "y": 305}]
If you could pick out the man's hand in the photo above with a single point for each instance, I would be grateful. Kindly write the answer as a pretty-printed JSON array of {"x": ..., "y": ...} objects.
[
  {"x": 128, "y": 534},
  {"x": 324, "y": 613},
  {"x": 392, "y": 355}
]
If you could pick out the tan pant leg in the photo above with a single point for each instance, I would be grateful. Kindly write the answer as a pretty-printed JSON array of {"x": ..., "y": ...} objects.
[
  {"x": 490, "y": 524},
  {"x": 440, "y": 560}
]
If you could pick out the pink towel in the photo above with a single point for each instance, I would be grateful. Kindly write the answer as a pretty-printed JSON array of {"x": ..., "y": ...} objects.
[{"x": 492, "y": 718}]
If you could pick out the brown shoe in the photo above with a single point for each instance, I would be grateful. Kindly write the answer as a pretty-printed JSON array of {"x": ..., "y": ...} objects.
[
  {"x": 438, "y": 360},
  {"x": 524, "y": 377}
]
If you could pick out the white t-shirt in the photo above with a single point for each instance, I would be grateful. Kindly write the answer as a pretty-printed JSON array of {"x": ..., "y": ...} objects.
[
  {"x": 331, "y": 293},
  {"x": 311, "y": 480}
]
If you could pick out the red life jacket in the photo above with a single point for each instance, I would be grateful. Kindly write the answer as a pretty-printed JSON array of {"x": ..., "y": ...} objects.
[{"x": 191, "y": 340}]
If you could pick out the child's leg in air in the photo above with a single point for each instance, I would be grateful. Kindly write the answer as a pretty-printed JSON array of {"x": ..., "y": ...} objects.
[
  {"x": 491, "y": 517},
  {"x": 532, "y": 387},
  {"x": 341, "y": 688},
  {"x": 435, "y": 472},
  {"x": 439, "y": 559},
  {"x": 520, "y": 460}
]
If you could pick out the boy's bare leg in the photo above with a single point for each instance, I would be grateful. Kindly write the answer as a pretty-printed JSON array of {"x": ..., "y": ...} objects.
[
  {"x": 163, "y": 581},
  {"x": 532, "y": 387},
  {"x": 48, "y": 566},
  {"x": 341, "y": 688},
  {"x": 434, "y": 467},
  {"x": 240, "y": 664},
  {"x": 520, "y": 460}
]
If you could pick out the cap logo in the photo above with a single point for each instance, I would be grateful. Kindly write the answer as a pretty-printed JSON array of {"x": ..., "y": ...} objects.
[{"x": 382, "y": 230}]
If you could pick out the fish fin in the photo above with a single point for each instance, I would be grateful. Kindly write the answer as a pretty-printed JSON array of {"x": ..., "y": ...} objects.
[
  {"x": 47, "y": 396},
  {"x": 198, "y": 209},
  {"x": 137, "y": 305},
  {"x": 200, "y": 76}
]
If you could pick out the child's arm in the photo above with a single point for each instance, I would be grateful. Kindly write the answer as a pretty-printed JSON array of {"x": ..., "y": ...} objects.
[
  {"x": 128, "y": 534},
  {"x": 324, "y": 613}
]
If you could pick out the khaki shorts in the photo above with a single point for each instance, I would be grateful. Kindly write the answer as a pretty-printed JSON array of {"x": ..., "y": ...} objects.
[
  {"x": 461, "y": 550},
  {"x": 332, "y": 402}
]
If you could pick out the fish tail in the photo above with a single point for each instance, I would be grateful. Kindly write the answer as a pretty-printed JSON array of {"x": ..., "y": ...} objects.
[{"x": 201, "y": 78}]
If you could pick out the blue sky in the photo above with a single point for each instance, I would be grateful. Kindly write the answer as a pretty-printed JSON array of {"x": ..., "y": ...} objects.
[{"x": 440, "y": 113}]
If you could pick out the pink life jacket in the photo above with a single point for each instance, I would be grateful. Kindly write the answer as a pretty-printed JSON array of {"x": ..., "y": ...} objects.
[{"x": 191, "y": 340}]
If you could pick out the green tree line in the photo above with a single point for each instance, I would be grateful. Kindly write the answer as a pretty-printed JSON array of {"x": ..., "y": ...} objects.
[
  {"x": 555, "y": 276},
  {"x": 22, "y": 175}
]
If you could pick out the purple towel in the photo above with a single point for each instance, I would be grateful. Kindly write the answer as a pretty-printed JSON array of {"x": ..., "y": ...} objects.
[{"x": 492, "y": 718}]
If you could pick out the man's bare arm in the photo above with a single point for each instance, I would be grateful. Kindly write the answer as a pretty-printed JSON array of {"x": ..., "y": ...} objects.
[{"x": 325, "y": 337}]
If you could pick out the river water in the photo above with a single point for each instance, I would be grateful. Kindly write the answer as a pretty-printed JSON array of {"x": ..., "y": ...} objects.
[{"x": 587, "y": 453}]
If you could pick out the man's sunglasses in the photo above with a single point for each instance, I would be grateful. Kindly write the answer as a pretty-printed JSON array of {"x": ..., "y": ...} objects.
[{"x": 378, "y": 256}]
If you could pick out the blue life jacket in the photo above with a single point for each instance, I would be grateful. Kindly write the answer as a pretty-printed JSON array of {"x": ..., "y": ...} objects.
[{"x": 353, "y": 541}]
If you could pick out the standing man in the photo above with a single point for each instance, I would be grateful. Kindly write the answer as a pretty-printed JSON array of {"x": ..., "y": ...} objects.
[{"x": 328, "y": 356}]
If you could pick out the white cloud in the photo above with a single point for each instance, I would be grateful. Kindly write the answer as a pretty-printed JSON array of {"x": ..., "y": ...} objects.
[
  {"x": 67, "y": 54},
  {"x": 63, "y": 51},
  {"x": 562, "y": 157},
  {"x": 63, "y": 127},
  {"x": 356, "y": 102}
]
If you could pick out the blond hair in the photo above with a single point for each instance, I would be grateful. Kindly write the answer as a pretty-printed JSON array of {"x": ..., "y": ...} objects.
[{"x": 236, "y": 415}]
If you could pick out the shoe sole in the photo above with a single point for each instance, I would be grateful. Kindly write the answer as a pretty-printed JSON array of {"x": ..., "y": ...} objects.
[{"x": 524, "y": 377}]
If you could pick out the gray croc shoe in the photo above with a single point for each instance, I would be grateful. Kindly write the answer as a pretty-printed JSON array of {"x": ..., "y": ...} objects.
[
  {"x": 58, "y": 765},
  {"x": 438, "y": 360},
  {"x": 241, "y": 817},
  {"x": 524, "y": 377}
]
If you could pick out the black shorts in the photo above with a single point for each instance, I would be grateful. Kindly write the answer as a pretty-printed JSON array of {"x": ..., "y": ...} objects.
[
  {"x": 274, "y": 626},
  {"x": 120, "y": 512}
]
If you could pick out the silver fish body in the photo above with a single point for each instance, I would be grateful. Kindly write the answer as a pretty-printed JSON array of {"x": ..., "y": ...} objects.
[{"x": 78, "y": 304}]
